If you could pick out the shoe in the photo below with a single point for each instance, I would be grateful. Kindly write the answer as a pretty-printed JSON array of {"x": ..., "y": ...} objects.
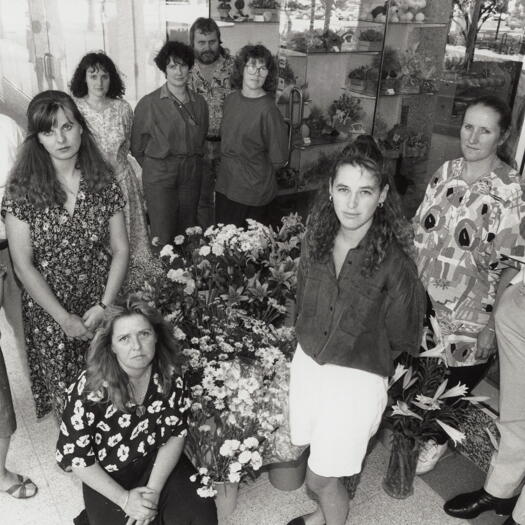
[
  {"x": 430, "y": 453},
  {"x": 472, "y": 504},
  {"x": 297, "y": 521},
  {"x": 510, "y": 521},
  {"x": 24, "y": 489}
]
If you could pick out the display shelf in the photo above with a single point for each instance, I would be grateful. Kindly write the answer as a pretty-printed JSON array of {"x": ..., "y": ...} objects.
[{"x": 400, "y": 23}]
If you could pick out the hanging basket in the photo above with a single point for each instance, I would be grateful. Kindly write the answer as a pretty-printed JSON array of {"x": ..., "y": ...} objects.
[
  {"x": 399, "y": 479},
  {"x": 226, "y": 497}
]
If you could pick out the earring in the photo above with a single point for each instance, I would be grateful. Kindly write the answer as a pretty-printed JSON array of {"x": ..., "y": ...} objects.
[
  {"x": 380, "y": 205},
  {"x": 330, "y": 198}
]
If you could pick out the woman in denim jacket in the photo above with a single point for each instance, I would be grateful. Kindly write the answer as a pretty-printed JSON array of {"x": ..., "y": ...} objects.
[{"x": 360, "y": 304}]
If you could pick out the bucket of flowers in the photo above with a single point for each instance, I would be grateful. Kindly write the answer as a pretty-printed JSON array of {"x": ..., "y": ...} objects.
[{"x": 422, "y": 405}]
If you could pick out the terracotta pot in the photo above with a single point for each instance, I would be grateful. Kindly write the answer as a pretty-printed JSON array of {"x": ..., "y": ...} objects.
[
  {"x": 288, "y": 475},
  {"x": 226, "y": 497}
]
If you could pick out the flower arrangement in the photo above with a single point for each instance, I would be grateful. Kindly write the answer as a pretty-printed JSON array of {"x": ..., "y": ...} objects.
[
  {"x": 420, "y": 394},
  {"x": 226, "y": 293},
  {"x": 416, "y": 145},
  {"x": 357, "y": 77},
  {"x": 236, "y": 372}
]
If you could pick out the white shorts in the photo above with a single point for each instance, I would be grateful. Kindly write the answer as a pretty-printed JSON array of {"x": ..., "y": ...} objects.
[{"x": 335, "y": 410}]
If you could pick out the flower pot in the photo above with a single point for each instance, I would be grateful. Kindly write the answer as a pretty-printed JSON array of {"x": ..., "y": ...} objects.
[
  {"x": 226, "y": 497},
  {"x": 399, "y": 479},
  {"x": 409, "y": 85},
  {"x": 288, "y": 475}
]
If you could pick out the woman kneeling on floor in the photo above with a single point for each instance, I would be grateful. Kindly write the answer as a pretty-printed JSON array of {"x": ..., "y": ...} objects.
[
  {"x": 123, "y": 428},
  {"x": 360, "y": 304}
]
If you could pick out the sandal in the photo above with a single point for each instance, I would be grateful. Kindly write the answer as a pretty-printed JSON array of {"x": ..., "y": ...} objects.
[{"x": 24, "y": 489}]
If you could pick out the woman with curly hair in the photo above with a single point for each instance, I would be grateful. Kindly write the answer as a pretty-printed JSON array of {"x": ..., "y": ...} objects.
[
  {"x": 123, "y": 428},
  {"x": 360, "y": 304},
  {"x": 167, "y": 139},
  {"x": 68, "y": 242},
  {"x": 253, "y": 140},
  {"x": 98, "y": 90}
]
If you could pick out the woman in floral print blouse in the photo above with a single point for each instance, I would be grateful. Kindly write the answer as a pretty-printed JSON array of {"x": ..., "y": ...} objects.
[
  {"x": 123, "y": 428},
  {"x": 68, "y": 241}
]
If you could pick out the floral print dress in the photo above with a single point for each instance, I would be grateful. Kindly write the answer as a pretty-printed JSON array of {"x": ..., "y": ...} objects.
[
  {"x": 112, "y": 130},
  {"x": 72, "y": 253},
  {"x": 462, "y": 233},
  {"x": 94, "y": 431}
]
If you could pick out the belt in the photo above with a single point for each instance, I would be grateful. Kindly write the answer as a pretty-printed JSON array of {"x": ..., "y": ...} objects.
[{"x": 213, "y": 139}]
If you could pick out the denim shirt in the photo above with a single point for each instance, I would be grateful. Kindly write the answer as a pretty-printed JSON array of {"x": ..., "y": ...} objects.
[{"x": 357, "y": 321}]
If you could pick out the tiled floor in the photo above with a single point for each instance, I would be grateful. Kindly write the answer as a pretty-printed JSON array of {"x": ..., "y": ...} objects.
[{"x": 59, "y": 498}]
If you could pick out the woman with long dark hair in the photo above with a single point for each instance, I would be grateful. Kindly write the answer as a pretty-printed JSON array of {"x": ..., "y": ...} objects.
[
  {"x": 124, "y": 425},
  {"x": 98, "y": 90},
  {"x": 68, "y": 242},
  {"x": 360, "y": 304},
  {"x": 471, "y": 214}
]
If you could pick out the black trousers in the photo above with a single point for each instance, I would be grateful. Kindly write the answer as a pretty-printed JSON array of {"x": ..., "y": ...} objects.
[
  {"x": 179, "y": 503},
  {"x": 231, "y": 212}
]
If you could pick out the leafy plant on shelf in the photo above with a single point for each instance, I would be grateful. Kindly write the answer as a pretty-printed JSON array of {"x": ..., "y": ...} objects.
[
  {"x": 316, "y": 121},
  {"x": 345, "y": 110},
  {"x": 371, "y": 35}
]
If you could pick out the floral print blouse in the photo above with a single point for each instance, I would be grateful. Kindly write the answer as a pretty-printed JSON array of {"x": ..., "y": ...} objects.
[
  {"x": 94, "y": 430},
  {"x": 215, "y": 91},
  {"x": 462, "y": 233}
]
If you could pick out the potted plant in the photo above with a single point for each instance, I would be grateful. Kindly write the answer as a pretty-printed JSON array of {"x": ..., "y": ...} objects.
[
  {"x": 422, "y": 405},
  {"x": 267, "y": 8},
  {"x": 344, "y": 112},
  {"x": 390, "y": 70},
  {"x": 316, "y": 121},
  {"x": 371, "y": 80},
  {"x": 392, "y": 144},
  {"x": 415, "y": 68},
  {"x": 416, "y": 145},
  {"x": 357, "y": 78},
  {"x": 370, "y": 40},
  {"x": 224, "y": 10}
]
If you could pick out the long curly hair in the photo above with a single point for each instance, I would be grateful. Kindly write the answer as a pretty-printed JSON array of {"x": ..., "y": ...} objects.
[
  {"x": 99, "y": 60},
  {"x": 33, "y": 175},
  {"x": 388, "y": 224},
  {"x": 258, "y": 52},
  {"x": 103, "y": 373}
]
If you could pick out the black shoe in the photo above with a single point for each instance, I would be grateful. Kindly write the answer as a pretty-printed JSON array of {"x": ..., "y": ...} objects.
[
  {"x": 297, "y": 521},
  {"x": 472, "y": 504},
  {"x": 510, "y": 521}
]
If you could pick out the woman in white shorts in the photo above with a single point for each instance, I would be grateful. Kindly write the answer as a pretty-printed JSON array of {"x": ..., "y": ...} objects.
[{"x": 360, "y": 304}]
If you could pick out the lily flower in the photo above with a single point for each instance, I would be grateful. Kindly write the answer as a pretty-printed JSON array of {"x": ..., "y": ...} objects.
[
  {"x": 399, "y": 372},
  {"x": 427, "y": 403},
  {"x": 401, "y": 409},
  {"x": 453, "y": 433},
  {"x": 456, "y": 391}
]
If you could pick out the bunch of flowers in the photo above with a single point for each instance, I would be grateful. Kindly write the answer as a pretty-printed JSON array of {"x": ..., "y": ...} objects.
[
  {"x": 423, "y": 404},
  {"x": 252, "y": 269},
  {"x": 237, "y": 372}
]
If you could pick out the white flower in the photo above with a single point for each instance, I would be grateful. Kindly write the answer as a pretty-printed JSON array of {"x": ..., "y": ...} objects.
[
  {"x": 103, "y": 426},
  {"x": 167, "y": 251},
  {"x": 205, "y": 428},
  {"x": 102, "y": 454},
  {"x": 399, "y": 372},
  {"x": 111, "y": 468},
  {"x": 454, "y": 434},
  {"x": 110, "y": 411},
  {"x": 203, "y": 471},
  {"x": 206, "y": 492},
  {"x": 217, "y": 250},
  {"x": 229, "y": 447},
  {"x": 171, "y": 420},
  {"x": 77, "y": 423},
  {"x": 69, "y": 448},
  {"x": 204, "y": 251},
  {"x": 179, "y": 239},
  {"x": 234, "y": 477},
  {"x": 141, "y": 448},
  {"x": 90, "y": 418},
  {"x": 251, "y": 442},
  {"x": 63, "y": 429},
  {"x": 235, "y": 467},
  {"x": 155, "y": 407},
  {"x": 245, "y": 456},
  {"x": 456, "y": 391},
  {"x": 256, "y": 461},
  {"x": 193, "y": 478},
  {"x": 401, "y": 409},
  {"x": 178, "y": 334}
]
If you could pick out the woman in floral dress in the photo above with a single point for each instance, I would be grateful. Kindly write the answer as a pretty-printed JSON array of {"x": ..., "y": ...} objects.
[
  {"x": 98, "y": 88},
  {"x": 472, "y": 213},
  {"x": 68, "y": 241}
]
